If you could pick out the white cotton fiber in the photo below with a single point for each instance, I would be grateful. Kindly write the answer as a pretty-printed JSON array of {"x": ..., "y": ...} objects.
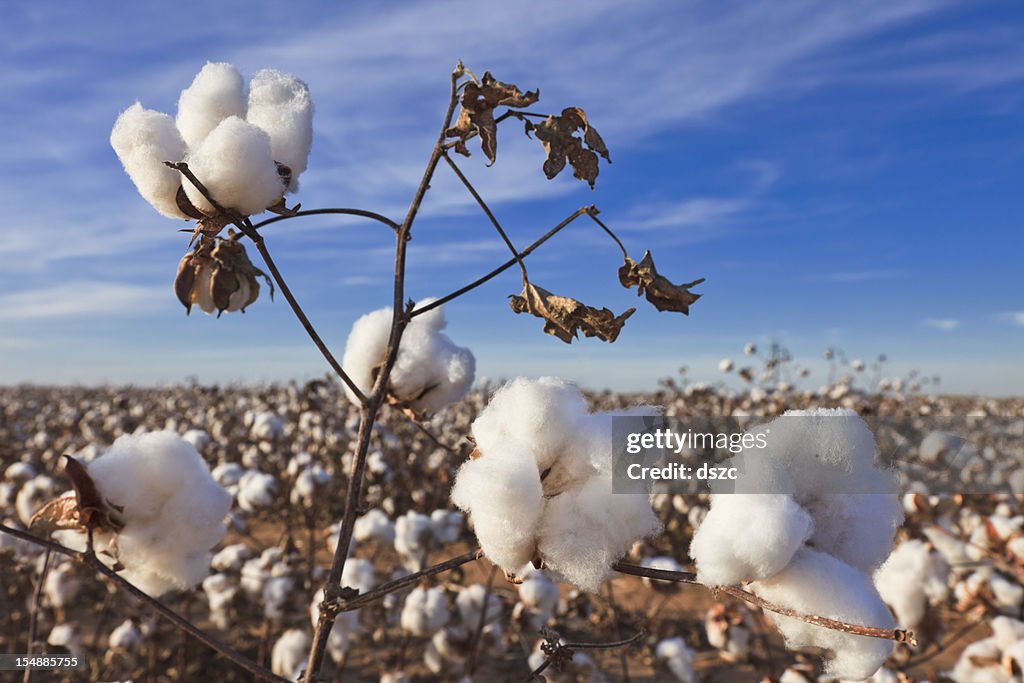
[
  {"x": 217, "y": 93},
  {"x": 816, "y": 583},
  {"x": 910, "y": 579},
  {"x": 235, "y": 164},
  {"x": 677, "y": 658},
  {"x": 470, "y": 603},
  {"x": 748, "y": 536},
  {"x": 430, "y": 371},
  {"x": 374, "y": 525},
  {"x": 585, "y": 530},
  {"x": 503, "y": 496},
  {"x": 289, "y": 655},
  {"x": 858, "y": 528},
  {"x": 280, "y": 104},
  {"x": 173, "y": 509},
  {"x": 143, "y": 140},
  {"x": 425, "y": 611}
]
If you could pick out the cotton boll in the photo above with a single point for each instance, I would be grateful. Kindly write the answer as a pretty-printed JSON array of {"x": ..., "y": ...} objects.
[
  {"x": 280, "y": 104},
  {"x": 126, "y": 636},
  {"x": 674, "y": 654},
  {"x": 67, "y": 637},
  {"x": 425, "y": 611},
  {"x": 173, "y": 510},
  {"x": 221, "y": 593},
  {"x": 231, "y": 558},
  {"x": 858, "y": 528},
  {"x": 288, "y": 657},
  {"x": 235, "y": 164},
  {"x": 227, "y": 474},
  {"x": 359, "y": 574},
  {"x": 199, "y": 438},
  {"x": 470, "y": 603},
  {"x": 665, "y": 564},
  {"x": 910, "y": 579},
  {"x": 256, "y": 490},
  {"x": 216, "y": 93},
  {"x": 1007, "y": 631},
  {"x": 1007, "y": 595},
  {"x": 277, "y": 595},
  {"x": 980, "y": 663},
  {"x": 143, "y": 140},
  {"x": 62, "y": 585},
  {"x": 267, "y": 426},
  {"x": 585, "y": 530},
  {"x": 374, "y": 525},
  {"x": 33, "y": 495},
  {"x": 538, "y": 596},
  {"x": 366, "y": 349},
  {"x": 503, "y": 496},
  {"x": 446, "y": 525},
  {"x": 346, "y": 627},
  {"x": 413, "y": 534},
  {"x": 19, "y": 472},
  {"x": 746, "y": 537},
  {"x": 728, "y": 629},
  {"x": 817, "y": 583}
]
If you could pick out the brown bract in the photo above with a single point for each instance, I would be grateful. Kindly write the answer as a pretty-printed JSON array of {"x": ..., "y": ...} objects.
[
  {"x": 87, "y": 510},
  {"x": 659, "y": 291},
  {"x": 567, "y": 317},
  {"x": 557, "y": 134},
  {"x": 217, "y": 275},
  {"x": 477, "y": 114}
]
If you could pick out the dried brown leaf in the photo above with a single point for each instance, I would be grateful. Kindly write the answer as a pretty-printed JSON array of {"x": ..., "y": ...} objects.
[
  {"x": 59, "y": 513},
  {"x": 566, "y": 317},
  {"x": 658, "y": 289},
  {"x": 94, "y": 510},
  {"x": 477, "y": 114},
  {"x": 558, "y": 136}
]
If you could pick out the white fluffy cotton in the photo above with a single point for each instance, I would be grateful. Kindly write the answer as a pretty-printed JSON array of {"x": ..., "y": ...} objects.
[
  {"x": 430, "y": 371},
  {"x": 677, "y": 657},
  {"x": 817, "y": 583},
  {"x": 280, "y": 104},
  {"x": 910, "y": 579},
  {"x": 173, "y": 509},
  {"x": 236, "y": 165},
  {"x": 143, "y": 140},
  {"x": 541, "y": 485},
  {"x": 288, "y": 658},
  {"x": 425, "y": 611},
  {"x": 216, "y": 93}
]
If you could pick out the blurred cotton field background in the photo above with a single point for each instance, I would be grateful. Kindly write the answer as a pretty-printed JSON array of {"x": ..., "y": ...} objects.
[{"x": 280, "y": 453}]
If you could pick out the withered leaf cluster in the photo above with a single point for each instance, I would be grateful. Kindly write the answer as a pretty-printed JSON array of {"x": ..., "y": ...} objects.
[
  {"x": 558, "y": 135},
  {"x": 477, "y": 114},
  {"x": 88, "y": 509},
  {"x": 657, "y": 288},
  {"x": 566, "y": 318},
  {"x": 217, "y": 275}
]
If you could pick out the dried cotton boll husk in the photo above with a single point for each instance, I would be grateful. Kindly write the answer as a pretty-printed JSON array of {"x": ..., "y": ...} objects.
[
  {"x": 819, "y": 584},
  {"x": 173, "y": 510},
  {"x": 748, "y": 536},
  {"x": 216, "y": 93},
  {"x": 280, "y": 104},
  {"x": 235, "y": 164},
  {"x": 143, "y": 140}
]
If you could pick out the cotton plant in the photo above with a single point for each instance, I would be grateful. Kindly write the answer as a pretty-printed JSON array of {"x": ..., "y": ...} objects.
[
  {"x": 538, "y": 487},
  {"x": 811, "y": 519},
  {"x": 152, "y": 508},
  {"x": 430, "y": 371}
]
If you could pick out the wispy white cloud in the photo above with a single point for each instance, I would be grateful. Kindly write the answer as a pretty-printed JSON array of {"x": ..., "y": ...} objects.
[
  {"x": 703, "y": 212},
  {"x": 945, "y": 324},
  {"x": 1012, "y": 317},
  {"x": 76, "y": 299}
]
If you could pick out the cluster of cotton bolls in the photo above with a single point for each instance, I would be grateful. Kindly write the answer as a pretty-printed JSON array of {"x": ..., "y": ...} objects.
[
  {"x": 812, "y": 518},
  {"x": 540, "y": 485},
  {"x": 430, "y": 372},
  {"x": 248, "y": 146}
]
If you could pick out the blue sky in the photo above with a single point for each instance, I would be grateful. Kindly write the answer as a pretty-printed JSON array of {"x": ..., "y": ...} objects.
[{"x": 843, "y": 174}]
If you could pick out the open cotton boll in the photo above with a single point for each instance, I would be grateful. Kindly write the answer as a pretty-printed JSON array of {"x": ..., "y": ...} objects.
[
  {"x": 748, "y": 536},
  {"x": 446, "y": 525},
  {"x": 280, "y": 104},
  {"x": 425, "y": 611},
  {"x": 585, "y": 530},
  {"x": 173, "y": 509},
  {"x": 910, "y": 579},
  {"x": 143, "y": 140},
  {"x": 374, "y": 525},
  {"x": 288, "y": 658},
  {"x": 819, "y": 584},
  {"x": 256, "y": 490},
  {"x": 235, "y": 164},
  {"x": 359, "y": 574},
  {"x": 677, "y": 658},
  {"x": 413, "y": 534},
  {"x": 504, "y": 498},
  {"x": 126, "y": 636},
  {"x": 470, "y": 603},
  {"x": 858, "y": 528},
  {"x": 216, "y": 93},
  {"x": 346, "y": 627}
]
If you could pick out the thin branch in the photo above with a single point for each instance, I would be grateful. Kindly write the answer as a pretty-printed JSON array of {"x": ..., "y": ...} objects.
[
  {"x": 898, "y": 635},
  {"x": 92, "y": 561},
  {"x": 319, "y": 212},
  {"x": 475, "y": 645},
  {"x": 505, "y": 266},
  {"x": 247, "y": 228},
  {"x": 509, "y": 113},
  {"x": 33, "y": 618},
  {"x": 607, "y": 646},
  {"x": 593, "y": 217},
  {"x": 487, "y": 211},
  {"x": 380, "y": 591}
]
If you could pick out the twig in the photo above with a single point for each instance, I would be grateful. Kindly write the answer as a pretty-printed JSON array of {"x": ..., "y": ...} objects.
[
  {"x": 558, "y": 651},
  {"x": 93, "y": 562},
  {"x": 897, "y": 634},
  {"x": 505, "y": 266},
  {"x": 319, "y": 212},
  {"x": 380, "y": 591},
  {"x": 474, "y": 647},
  {"x": 487, "y": 211},
  {"x": 33, "y": 618},
  {"x": 593, "y": 217}
]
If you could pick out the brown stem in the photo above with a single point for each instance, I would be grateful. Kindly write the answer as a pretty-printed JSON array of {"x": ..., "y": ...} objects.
[
  {"x": 93, "y": 562},
  {"x": 319, "y": 212},
  {"x": 33, "y": 618},
  {"x": 371, "y": 405},
  {"x": 593, "y": 217},
  {"x": 380, "y": 591},
  {"x": 505, "y": 266},
  {"x": 475, "y": 645},
  {"x": 490, "y": 215},
  {"x": 897, "y": 634}
]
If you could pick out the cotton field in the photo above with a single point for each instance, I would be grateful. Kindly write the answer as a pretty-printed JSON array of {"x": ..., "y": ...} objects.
[{"x": 230, "y": 497}]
